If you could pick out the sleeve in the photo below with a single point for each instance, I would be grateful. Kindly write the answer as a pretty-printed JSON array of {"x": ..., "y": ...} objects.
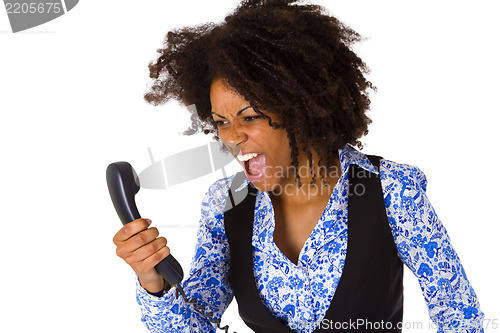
[
  {"x": 425, "y": 247},
  {"x": 207, "y": 281}
]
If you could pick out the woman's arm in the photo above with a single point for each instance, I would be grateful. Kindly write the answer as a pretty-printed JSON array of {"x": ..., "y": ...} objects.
[
  {"x": 207, "y": 280},
  {"x": 425, "y": 247}
]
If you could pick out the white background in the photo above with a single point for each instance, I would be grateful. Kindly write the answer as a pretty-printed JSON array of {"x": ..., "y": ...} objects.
[{"x": 71, "y": 103}]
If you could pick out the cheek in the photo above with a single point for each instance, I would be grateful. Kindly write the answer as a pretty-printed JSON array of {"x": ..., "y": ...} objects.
[
  {"x": 232, "y": 148},
  {"x": 223, "y": 135},
  {"x": 282, "y": 141},
  {"x": 280, "y": 146}
]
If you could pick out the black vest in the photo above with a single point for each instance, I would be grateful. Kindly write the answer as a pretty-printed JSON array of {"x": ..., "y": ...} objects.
[{"x": 369, "y": 296}]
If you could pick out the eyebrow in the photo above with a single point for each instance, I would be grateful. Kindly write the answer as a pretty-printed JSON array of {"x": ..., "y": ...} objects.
[{"x": 237, "y": 113}]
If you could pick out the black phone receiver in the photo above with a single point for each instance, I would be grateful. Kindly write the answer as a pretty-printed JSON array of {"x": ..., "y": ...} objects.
[{"x": 123, "y": 184}]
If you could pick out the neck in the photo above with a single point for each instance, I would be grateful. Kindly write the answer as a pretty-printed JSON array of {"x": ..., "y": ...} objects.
[{"x": 313, "y": 190}]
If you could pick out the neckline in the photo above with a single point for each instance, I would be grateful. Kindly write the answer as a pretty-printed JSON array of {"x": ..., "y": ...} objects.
[{"x": 276, "y": 250}]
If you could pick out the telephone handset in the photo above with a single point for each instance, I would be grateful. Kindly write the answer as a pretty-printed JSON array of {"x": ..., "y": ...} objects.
[{"x": 123, "y": 184}]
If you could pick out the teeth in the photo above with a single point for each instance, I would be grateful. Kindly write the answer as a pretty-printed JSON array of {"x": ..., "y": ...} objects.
[{"x": 246, "y": 157}]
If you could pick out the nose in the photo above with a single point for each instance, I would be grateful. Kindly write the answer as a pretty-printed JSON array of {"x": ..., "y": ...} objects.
[{"x": 233, "y": 137}]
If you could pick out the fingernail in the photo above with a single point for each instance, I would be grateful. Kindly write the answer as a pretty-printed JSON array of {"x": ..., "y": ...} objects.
[{"x": 149, "y": 222}]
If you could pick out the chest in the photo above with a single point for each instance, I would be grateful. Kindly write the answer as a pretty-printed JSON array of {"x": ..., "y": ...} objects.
[{"x": 294, "y": 225}]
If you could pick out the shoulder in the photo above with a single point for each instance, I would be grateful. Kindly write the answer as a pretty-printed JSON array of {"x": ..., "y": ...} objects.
[
  {"x": 408, "y": 209},
  {"x": 390, "y": 171},
  {"x": 219, "y": 188},
  {"x": 402, "y": 175},
  {"x": 216, "y": 195},
  {"x": 212, "y": 211}
]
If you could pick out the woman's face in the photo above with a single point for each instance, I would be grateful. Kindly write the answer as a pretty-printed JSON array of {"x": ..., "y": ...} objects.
[{"x": 262, "y": 151}]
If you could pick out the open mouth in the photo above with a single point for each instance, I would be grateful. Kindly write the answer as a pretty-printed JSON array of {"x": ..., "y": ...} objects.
[
  {"x": 253, "y": 163},
  {"x": 245, "y": 158}
]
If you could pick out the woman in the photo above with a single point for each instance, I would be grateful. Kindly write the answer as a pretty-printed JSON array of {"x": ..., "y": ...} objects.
[{"x": 279, "y": 85}]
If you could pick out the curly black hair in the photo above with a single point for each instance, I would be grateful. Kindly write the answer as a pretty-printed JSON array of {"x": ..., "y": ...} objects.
[{"x": 285, "y": 58}]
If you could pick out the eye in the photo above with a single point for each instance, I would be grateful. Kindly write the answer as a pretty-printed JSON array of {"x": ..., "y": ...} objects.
[
  {"x": 219, "y": 122},
  {"x": 251, "y": 118}
]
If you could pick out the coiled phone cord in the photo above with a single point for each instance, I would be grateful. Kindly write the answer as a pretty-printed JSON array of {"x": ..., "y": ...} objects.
[{"x": 201, "y": 309}]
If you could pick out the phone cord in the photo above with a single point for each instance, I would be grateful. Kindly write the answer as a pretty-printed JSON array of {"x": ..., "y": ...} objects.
[{"x": 201, "y": 309}]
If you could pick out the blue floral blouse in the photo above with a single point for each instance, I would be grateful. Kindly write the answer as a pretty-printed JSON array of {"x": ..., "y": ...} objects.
[{"x": 299, "y": 295}]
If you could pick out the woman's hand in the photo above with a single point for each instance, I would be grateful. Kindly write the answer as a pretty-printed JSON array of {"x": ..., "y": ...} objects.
[{"x": 142, "y": 249}]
